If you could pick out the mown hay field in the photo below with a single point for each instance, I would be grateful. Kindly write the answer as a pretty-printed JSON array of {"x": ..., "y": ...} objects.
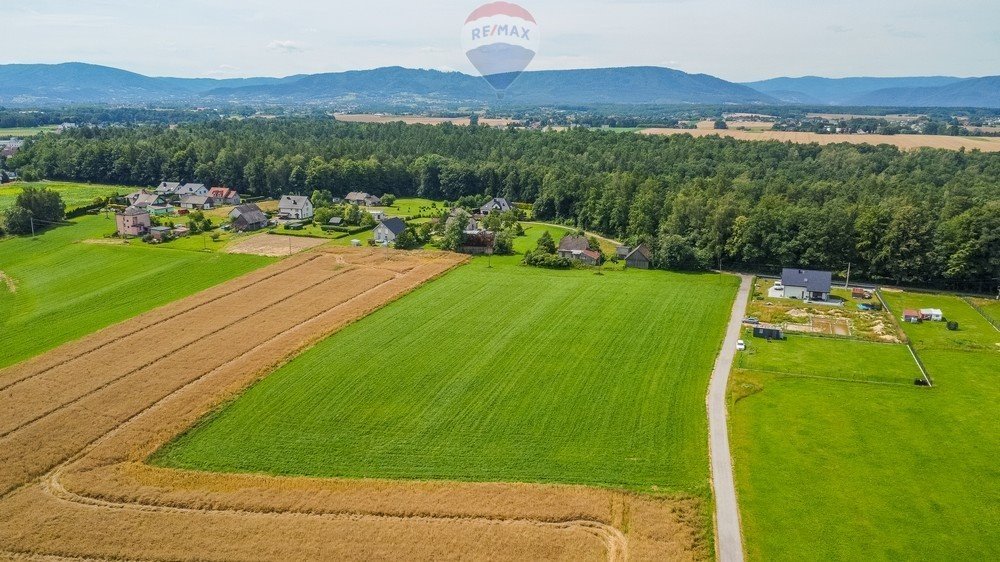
[
  {"x": 494, "y": 374},
  {"x": 839, "y": 470},
  {"x": 64, "y": 289},
  {"x": 905, "y": 142}
]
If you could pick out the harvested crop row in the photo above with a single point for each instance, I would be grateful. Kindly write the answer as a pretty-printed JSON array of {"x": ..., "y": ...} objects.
[{"x": 93, "y": 342}]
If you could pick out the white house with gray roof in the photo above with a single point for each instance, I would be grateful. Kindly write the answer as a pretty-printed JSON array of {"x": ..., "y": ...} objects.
[{"x": 295, "y": 207}]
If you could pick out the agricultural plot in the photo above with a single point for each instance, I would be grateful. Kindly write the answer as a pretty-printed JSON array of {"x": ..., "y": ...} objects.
[
  {"x": 563, "y": 377},
  {"x": 57, "y": 288},
  {"x": 73, "y": 194},
  {"x": 832, "y": 470},
  {"x": 905, "y": 142}
]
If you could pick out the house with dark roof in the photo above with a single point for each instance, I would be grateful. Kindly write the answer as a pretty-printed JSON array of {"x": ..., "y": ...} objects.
[
  {"x": 145, "y": 199},
  {"x": 389, "y": 229},
  {"x": 179, "y": 189},
  {"x": 806, "y": 284},
  {"x": 246, "y": 217},
  {"x": 623, "y": 251},
  {"x": 295, "y": 207},
  {"x": 496, "y": 205},
  {"x": 578, "y": 248},
  {"x": 639, "y": 258}
]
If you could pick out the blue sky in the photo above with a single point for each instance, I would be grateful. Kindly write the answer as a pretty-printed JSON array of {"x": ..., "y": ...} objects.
[{"x": 733, "y": 39}]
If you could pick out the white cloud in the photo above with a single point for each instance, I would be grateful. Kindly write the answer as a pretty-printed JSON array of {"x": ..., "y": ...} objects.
[{"x": 285, "y": 46}]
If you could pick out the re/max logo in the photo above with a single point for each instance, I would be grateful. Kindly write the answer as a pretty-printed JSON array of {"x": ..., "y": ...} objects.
[{"x": 500, "y": 31}]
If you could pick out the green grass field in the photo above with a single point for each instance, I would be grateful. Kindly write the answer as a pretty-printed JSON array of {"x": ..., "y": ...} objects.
[
  {"x": 65, "y": 288},
  {"x": 990, "y": 308},
  {"x": 21, "y": 132},
  {"x": 73, "y": 194},
  {"x": 411, "y": 207},
  {"x": 832, "y": 358},
  {"x": 830, "y": 470},
  {"x": 506, "y": 373}
]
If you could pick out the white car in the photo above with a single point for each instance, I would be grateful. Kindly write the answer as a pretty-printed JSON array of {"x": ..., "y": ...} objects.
[{"x": 741, "y": 345}]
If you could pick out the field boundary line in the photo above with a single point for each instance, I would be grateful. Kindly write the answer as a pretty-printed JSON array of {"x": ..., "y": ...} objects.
[
  {"x": 185, "y": 310},
  {"x": 908, "y": 342},
  {"x": 987, "y": 317},
  {"x": 821, "y": 377},
  {"x": 163, "y": 356}
]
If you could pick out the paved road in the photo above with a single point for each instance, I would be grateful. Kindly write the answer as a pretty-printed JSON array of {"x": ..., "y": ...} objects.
[{"x": 728, "y": 537}]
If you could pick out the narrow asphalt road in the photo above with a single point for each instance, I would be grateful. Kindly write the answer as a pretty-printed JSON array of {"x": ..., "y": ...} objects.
[{"x": 728, "y": 536}]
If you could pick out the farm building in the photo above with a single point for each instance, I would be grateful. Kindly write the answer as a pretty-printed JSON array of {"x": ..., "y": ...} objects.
[
  {"x": 911, "y": 316},
  {"x": 639, "y": 258},
  {"x": 160, "y": 232},
  {"x": 805, "y": 284},
  {"x": 197, "y": 202},
  {"x": 362, "y": 199},
  {"x": 180, "y": 231},
  {"x": 377, "y": 215},
  {"x": 478, "y": 242},
  {"x": 295, "y": 207},
  {"x": 623, "y": 251},
  {"x": 336, "y": 221},
  {"x": 496, "y": 205},
  {"x": 224, "y": 196},
  {"x": 247, "y": 217},
  {"x": 768, "y": 332},
  {"x": 132, "y": 221},
  {"x": 389, "y": 229},
  {"x": 932, "y": 314}
]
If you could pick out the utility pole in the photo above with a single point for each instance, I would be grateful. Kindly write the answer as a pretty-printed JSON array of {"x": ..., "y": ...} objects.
[
  {"x": 32, "y": 219},
  {"x": 848, "y": 282}
]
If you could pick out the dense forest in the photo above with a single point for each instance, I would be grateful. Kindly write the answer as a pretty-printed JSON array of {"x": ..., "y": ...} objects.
[{"x": 927, "y": 217}]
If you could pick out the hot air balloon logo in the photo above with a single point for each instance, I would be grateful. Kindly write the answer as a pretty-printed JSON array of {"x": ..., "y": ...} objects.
[{"x": 500, "y": 40}]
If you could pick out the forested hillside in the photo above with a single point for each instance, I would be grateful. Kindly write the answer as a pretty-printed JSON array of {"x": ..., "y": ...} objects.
[{"x": 928, "y": 216}]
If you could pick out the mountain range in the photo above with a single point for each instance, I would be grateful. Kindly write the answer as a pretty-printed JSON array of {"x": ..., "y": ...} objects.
[{"x": 27, "y": 85}]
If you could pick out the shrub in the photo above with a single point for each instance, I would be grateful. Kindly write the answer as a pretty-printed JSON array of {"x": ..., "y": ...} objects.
[
  {"x": 952, "y": 325},
  {"x": 543, "y": 259}
]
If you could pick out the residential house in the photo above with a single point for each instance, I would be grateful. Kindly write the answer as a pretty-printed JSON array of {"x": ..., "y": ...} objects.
[
  {"x": 167, "y": 187},
  {"x": 362, "y": 199},
  {"x": 224, "y": 196},
  {"x": 179, "y": 189},
  {"x": 387, "y": 230},
  {"x": 639, "y": 258},
  {"x": 377, "y": 215},
  {"x": 578, "y": 248},
  {"x": 295, "y": 207},
  {"x": 496, "y": 205},
  {"x": 197, "y": 202},
  {"x": 247, "y": 217},
  {"x": 805, "y": 284},
  {"x": 143, "y": 199},
  {"x": 132, "y": 221}
]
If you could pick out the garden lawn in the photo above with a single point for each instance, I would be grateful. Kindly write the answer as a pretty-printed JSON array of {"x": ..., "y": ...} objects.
[
  {"x": 834, "y": 358},
  {"x": 73, "y": 194},
  {"x": 828, "y": 470},
  {"x": 506, "y": 373},
  {"x": 412, "y": 207},
  {"x": 65, "y": 288}
]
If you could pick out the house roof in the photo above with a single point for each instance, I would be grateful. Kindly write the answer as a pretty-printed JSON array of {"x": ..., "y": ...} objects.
[
  {"x": 910, "y": 312},
  {"x": 248, "y": 213},
  {"x": 623, "y": 251},
  {"x": 222, "y": 192},
  {"x": 195, "y": 199},
  {"x": 497, "y": 203},
  {"x": 293, "y": 202},
  {"x": 642, "y": 251},
  {"x": 189, "y": 188},
  {"x": 394, "y": 224},
  {"x": 571, "y": 242},
  {"x": 131, "y": 211},
  {"x": 336, "y": 220},
  {"x": 146, "y": 199},
  {"x": 356, "y": 196},
  {"x": 591, "y": 254},
  {"x": 813, "y": 281}
]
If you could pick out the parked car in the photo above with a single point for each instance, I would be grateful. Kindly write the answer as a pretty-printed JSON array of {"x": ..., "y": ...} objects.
[
  {"x": 751, "y": 320},
  {"x": 741, "y": 345}
]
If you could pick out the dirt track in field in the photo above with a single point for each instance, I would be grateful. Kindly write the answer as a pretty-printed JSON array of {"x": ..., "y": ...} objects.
[
  {"x": 77, "y": 424},
  {"x": 274, "y": 245}
]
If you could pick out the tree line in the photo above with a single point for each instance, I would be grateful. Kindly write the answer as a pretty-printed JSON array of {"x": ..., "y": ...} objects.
[{"x": 926, "y": 216}]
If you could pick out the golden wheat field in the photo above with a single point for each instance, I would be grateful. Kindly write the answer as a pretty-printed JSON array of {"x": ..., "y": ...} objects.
[
  {"x": 905, "y": 142},
  {"x": 78, "y": 423}
]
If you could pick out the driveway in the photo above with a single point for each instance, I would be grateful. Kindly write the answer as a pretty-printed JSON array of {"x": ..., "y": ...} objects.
[{"x": 728, "y": 536}]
